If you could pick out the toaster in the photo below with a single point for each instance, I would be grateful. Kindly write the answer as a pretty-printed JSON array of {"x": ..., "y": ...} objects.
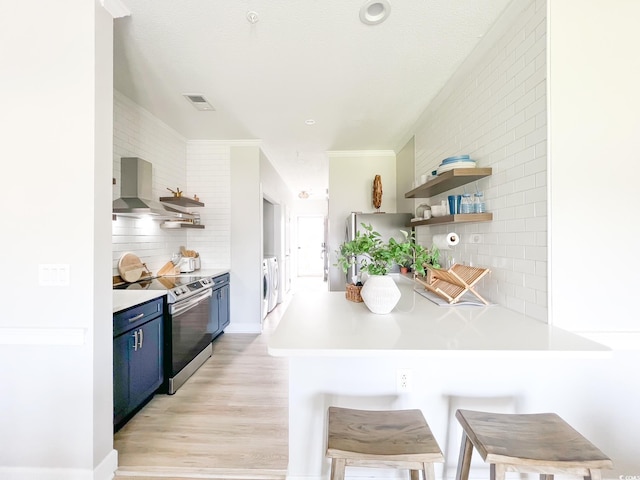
[{"x": 187, "y": 264}]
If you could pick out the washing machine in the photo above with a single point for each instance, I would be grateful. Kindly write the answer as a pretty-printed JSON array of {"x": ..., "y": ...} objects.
[
  {"x": 274, "y": 277},
  {"x": 265, "y": 288}
]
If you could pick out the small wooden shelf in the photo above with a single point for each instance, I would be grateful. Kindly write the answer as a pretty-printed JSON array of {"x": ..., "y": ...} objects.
[
  {"x": 182, "y": 201},
  {"x": 447, "y": 181},
  {"x": 182, "y": 225},
  {"x": 460, "y": 218}
]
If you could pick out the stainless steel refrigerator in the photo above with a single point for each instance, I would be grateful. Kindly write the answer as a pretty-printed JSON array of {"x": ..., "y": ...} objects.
[{"x": 388, "y": 225}]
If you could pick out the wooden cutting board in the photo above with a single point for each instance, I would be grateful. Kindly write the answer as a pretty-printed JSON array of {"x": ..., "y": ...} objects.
[{"x": 130, "y": 267}]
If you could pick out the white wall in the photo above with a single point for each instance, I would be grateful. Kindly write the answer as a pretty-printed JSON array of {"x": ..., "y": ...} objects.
[
  {"x": 246, "y": 231},
  {"x": 494, "y": 109},
  {"x": 55, "y": 342},
  {"x": 351, "y": 176},
  {"x": 276, "y": 192},
  {"x": 594, "y": 145}
]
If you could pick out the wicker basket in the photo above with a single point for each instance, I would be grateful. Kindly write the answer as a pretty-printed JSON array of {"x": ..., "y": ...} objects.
[{"x": 353, "y": 293}]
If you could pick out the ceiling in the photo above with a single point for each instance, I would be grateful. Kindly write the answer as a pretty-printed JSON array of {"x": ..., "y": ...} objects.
[{"x": 364, "y": 85}]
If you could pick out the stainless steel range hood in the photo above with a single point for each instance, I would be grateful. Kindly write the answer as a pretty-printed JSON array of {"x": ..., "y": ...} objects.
[{"x": 136, "y": 181}]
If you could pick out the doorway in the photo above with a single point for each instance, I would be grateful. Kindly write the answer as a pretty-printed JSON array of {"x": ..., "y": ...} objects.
[{"x": 311, "y": 246}]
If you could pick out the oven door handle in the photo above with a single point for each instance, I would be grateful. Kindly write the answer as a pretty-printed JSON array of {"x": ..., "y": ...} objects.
[{"x": 179, "y": 308}]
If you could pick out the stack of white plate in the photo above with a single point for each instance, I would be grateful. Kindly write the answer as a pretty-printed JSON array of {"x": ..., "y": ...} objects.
[{"x": 460, "y": 161}]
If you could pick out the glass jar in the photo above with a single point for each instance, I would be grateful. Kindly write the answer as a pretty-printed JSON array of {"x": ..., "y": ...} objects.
[
  {"x": 466, "y": 205},
  {"x": 478, "y": 203}
]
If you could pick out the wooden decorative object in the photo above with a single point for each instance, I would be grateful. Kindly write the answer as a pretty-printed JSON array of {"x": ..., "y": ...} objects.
[
  {"x": 353, "y": 293},
  {"x": 452, "y": 284},
  {"x": 377, "y": 192}
]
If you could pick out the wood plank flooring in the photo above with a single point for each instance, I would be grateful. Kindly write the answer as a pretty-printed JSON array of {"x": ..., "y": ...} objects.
[{"x": 229, "y": 421}]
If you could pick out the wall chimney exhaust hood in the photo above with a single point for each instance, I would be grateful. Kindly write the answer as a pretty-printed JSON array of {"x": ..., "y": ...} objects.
[{"x": 136, "y": 180}]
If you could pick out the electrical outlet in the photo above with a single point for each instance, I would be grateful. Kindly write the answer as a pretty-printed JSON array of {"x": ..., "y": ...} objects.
[
  {"x": 475, "y": 238},
  {"x": 404, "y": 380}
]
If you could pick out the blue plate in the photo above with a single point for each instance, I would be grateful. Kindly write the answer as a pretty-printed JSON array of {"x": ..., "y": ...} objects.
[
  {"x": 457, "y": 158},
  {"x": 468, "y": 160}
]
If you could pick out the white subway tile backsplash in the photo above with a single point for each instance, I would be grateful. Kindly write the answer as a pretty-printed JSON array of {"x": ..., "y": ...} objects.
[
  {"x": 497, "y": 114},
  {"x": 201, "y": 171}
]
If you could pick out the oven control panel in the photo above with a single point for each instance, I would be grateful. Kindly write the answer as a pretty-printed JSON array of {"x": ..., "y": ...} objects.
[{"x": 189, "y": 289}]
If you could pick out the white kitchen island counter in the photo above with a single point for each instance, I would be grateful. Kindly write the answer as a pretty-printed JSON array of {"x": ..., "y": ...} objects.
[
  {"x": 327, "y": 324},
  {"x": 464, "y": 356}
]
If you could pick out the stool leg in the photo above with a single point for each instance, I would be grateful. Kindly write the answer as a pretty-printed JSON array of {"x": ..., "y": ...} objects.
[
  {"x": 497, "y": 471},
  {"x": 464, "y": 460},
  {"x": 428, "y": 471},
  {"x": 594, "y": 475},
  {"x": 337, "y": 468}
]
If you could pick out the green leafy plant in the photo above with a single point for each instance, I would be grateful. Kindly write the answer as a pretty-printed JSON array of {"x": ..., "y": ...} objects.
[
  {"x": 368, "y": 251},
  {"x": 411, "y": 254},
  {"x": 375, "y": 257}
]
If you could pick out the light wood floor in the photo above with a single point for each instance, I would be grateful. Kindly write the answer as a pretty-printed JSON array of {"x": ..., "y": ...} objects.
[{"x": 229, "y": 421}]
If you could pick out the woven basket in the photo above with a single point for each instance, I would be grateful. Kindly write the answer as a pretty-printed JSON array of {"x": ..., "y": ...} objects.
[{"x": 353, "y": 293}]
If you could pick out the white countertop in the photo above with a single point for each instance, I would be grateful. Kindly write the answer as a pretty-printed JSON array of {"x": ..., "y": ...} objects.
[
  {"x": 123, "y": 299},
  {"x": 327, "y": 324}
]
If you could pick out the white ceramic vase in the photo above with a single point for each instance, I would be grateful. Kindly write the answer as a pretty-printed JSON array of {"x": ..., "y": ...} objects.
[{"x": 380, "y": 293}]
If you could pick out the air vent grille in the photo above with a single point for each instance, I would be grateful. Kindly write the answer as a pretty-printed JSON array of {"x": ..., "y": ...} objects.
[{"x": 198, "y": 101}]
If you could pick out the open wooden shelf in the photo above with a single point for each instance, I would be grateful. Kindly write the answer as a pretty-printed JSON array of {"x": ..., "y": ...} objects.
[
  {"x": 447, "y": 181},
  {"x": 182, "y": 201},
  {"x": 182, "y": 225},
  {"x": 459, "y": 218}
]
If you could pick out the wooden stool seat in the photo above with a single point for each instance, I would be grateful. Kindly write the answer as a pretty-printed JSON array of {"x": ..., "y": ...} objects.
[
  {"x": 388, "y": 439},
  {"x": 535, "y": 443}
]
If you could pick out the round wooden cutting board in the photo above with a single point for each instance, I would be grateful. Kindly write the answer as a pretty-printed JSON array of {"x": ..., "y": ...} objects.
[{"x": 130, "y": 267}]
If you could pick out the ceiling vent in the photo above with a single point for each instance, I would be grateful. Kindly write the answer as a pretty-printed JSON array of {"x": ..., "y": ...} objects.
[{"x": 199, "y": 102}]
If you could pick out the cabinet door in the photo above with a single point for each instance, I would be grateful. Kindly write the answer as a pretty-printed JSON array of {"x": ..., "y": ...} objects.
[
  {"x": 214, "y": 321},
  {"x": 145, "y": 366},
  {"x": 122, "y": 347},
  {"x": 223, "y": 306}
]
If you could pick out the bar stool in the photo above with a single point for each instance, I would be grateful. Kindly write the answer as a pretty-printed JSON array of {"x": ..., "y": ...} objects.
[
  {"x": 398, "y": 439},
  {"x": 533, "y": 443}
]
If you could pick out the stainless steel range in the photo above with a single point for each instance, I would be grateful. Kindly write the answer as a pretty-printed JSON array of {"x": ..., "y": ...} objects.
[{"x": 187, "y": 331}]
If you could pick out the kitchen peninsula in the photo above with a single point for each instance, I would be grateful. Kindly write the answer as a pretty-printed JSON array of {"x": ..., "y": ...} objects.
[{"x": 341, "y": 354}]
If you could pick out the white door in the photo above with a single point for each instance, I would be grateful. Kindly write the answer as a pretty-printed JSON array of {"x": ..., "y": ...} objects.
[{"x": 311, "y": 246}]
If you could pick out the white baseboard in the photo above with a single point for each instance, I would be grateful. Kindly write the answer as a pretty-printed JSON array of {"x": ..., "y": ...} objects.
[{"x": 104, "y": 471}]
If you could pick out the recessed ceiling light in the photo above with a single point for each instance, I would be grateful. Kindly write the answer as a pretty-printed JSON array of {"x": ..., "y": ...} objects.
[
  {"x": 310, "y": 121},
  {"x": 303, "y": 194},
  {"x": 374, "y": 12},
  {"x": 252, "y": 17}
]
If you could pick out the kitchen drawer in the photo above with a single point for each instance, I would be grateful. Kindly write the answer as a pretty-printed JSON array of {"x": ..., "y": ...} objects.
[
  {"x": 221, "y": 279},
  {"x": 136, "y": 316}
]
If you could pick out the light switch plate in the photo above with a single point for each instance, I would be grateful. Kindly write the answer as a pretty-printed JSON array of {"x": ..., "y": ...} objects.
[{"x": 53, "y": 274}]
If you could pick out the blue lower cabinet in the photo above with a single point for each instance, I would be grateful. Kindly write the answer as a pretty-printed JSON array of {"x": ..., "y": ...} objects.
[
  {"x": 137, "y": 359},
  {"x": 220, "y": 317}
]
